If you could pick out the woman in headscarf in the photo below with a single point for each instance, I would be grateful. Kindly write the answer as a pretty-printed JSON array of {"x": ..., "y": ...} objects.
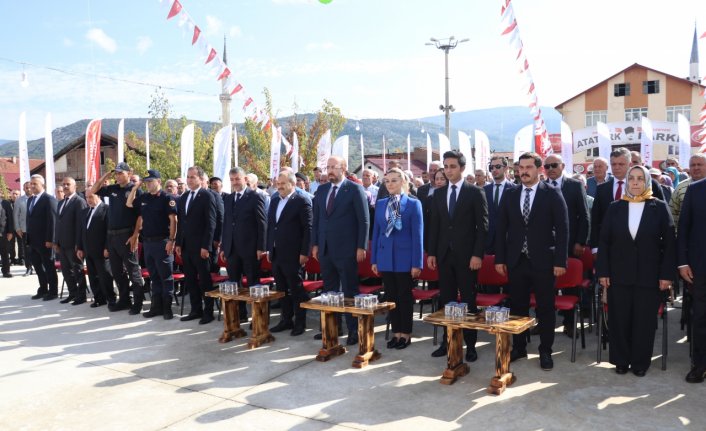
[
  {"x": 673, "y": 175},
  {"x": 636, "y": 261},
  {"x": 397, "y": 253}
]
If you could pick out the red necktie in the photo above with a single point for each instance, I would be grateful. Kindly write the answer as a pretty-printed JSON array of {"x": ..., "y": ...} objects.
[
  {"x": 619, "y": 192},
  {"x": 331, "y": 197}
]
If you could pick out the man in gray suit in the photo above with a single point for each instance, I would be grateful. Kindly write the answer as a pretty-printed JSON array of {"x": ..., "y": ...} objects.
[{"x": 69, "y": 210}]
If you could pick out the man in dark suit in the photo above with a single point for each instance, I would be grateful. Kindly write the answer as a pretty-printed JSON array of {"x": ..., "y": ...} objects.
[
  {"x": 458, "y": 226},
  {"x": 288, "y": 239},
  {"x": 691, "y": 249},
  {"x": 340, "y": 234},
  {"x": 41, "y": 219},
  {"x": 67, "y": 221},
  {"x": 531, "y": 246},
  {"x": 244, "y": 229},
  {"x": 92, "y": 245},
  {"x": 194, "y": 243},
  {"x": 613, "y": 190},
  {"x": 214, "y": 185},
  {"x": 6, "y": 235},
  {"x": 494, "y": 192}
]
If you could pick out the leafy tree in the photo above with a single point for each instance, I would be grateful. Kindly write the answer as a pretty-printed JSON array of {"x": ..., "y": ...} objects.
[{"x": 4, "y": 190}]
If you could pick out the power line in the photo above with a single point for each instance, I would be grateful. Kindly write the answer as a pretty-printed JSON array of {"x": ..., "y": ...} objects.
[{"x": 106, "y": 77}]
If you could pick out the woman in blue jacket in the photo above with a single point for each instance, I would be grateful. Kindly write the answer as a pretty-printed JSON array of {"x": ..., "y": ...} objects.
[{"x": 396, "y": 252}]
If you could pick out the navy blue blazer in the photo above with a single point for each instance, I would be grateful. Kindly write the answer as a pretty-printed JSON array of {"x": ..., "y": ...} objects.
[
  {"x": 691, "y": 240},
  {"x": 340, "y": 234},
  {"x": 493, "y": 213},
  {"x": 196, "y": 228},
  {"x": 291, "y": 234},
  {"x": 642, "y": 261},
  {"x": 575, "y": 197},
  {"x": 41, "y": 220},
  {"x": 547, "y": 229},
  {"x": 403, "y": 249},
  {"x": 244, "y": 224}
]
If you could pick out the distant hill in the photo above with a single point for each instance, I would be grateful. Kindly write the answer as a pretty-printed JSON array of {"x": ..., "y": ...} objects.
[{"x": 4, "y": 141}]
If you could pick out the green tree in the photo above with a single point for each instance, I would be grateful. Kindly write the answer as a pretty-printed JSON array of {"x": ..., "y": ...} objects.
[
  {"x": 4, "y": 190},
  {"x": 254, "y": 147}
]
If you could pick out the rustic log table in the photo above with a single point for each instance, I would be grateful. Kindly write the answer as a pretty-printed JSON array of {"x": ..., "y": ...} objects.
[
  {"x": 260, "y": 333},
  {"x": 455, "y": 367},
  {"x": 366, "y": 334}
]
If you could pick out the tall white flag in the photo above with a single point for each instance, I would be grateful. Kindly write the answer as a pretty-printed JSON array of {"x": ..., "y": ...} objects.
[
  {"x": 604, "y": 142},
  {"x": 464, "y": 146},
  {"x": 362, "y": 155},
  {"x": 121, "y": 141},
  {"x": 147, "y": 142},
  {"x": 323, "y": 151},
  {"x": 340, "y": 148},
  {"x": 50, "y": 173},
  {"x": 295, "y": 152},
  {"x": 567, "y": 149},
  {"x": 187, "y": 150},
  {"x": 646, "y": 147},
  {"x": 221, "y": 155},
  {"x": 684, "y": 140},
  {"x": 235, "y": 147},
  {"x": 275, "y": 151},
  {"x": 444, "y": 145},
  {"x": 384, "y": 154},
  {"x": 524, "y": 139},
  {"x": 409, "y": 153},
  {"x": 24, "y": 155},
  {"x": 482, "y": 150},
  {"x": 429, "y": 152}
]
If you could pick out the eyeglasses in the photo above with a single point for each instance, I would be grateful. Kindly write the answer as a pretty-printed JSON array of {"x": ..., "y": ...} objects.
[
  {"x": 491, "y": 167},
  {"x": 551, "y": 165},
  {"x": 330, "y": 168}
]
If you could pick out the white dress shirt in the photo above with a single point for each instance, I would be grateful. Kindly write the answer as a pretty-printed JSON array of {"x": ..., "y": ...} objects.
[
  {"x": 532, "y": 195},
  {"x": 458, "y": 190}
]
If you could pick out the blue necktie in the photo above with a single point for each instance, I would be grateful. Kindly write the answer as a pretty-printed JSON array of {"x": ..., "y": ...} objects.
[{"x": 452, "y": 201}]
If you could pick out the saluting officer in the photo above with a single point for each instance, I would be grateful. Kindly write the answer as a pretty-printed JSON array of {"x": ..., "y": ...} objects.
[
  {"x": 157, "y": 221},
  {"x": 121, "y": 224}
]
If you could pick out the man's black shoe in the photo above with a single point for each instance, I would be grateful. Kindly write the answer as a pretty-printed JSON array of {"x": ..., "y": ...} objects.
[
  {"x": 545, "y": 361},
  {"x": 441, "y": 351},
  {"x": 696, "y": 375},
  {"x": 298, "y": 330},
  {"x": 517, "y": 354},
  {"x": 318, "y": 336},
  {"x": 206, "y": 318},
  {"x": 471, "y": 355},
  {"x": 97, "y": 304},
  {"x": 118, "y": 306},
  {"x": 50, "y": 297},
  {"x": 352, "y": 338},
  {"x": 282, "y": 326},
  {"x": 619, "y": 369},
  {"x": 135, "y": 309},
  {"x": 639, "y": 373},
  {"x": 168, "y": 314},
  {"x": 7, "y": 275},
  {"x": 78, "y": 301},
  {"x": 38, "y": 296},
  {"x": 190, "y": 317},
  {"x": 67, "y": 299}
]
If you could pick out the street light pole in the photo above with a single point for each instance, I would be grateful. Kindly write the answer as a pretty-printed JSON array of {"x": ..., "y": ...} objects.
[{"x": 446, "y": 45}]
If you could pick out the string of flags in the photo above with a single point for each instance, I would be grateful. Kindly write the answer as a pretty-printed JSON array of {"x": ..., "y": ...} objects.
[{"x": 215, "y": 64}]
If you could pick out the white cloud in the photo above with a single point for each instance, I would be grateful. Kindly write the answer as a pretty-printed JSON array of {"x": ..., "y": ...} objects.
[
  {"x": 143, "y": 44},
  {"x": 320, "y": 46},
  {"x": 213, "y": 25},
  {"x": 235, "y": 32},
  {"x": 68, "y": 42},
  {"x": 100, "y": 38}
]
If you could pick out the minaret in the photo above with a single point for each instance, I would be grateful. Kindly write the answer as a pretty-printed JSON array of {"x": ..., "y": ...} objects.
[
  {"x": 225, "y": 96},
  {"x": 694, "y": 62}
]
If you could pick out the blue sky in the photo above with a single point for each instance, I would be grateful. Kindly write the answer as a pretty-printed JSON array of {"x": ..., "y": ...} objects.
[{"x": 368, "y": 57}]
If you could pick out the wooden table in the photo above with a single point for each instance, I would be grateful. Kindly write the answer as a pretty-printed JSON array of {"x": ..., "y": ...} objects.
[
  {"x": 260, "y": 316},
  {"x": 329, "y": 330},
  {"x": 455, "y": 366}
]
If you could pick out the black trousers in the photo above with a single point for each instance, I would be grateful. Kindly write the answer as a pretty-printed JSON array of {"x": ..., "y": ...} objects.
[
  {"x": 43, "y": 263},
  {"x": 197, "y": 278},
  {"x": 72, "y": 270},
  {"x": 455, "y": 276},
  {"x": 525, "y": 279},
  {"x": 159, "y": 265},
  {"x": 100, "y": 279},
  {"x": 125, "y": 268},
  {"x": 237, "y": 267},
  {"x": 699, "y": 320},
  {"x": 398, "y": 289},
  {"x": 5, "y": 254},
  {"x": 341, "y": 274},
  {"x": 23, "y": 252},
  {"x": 288, "y": 277},
  {"x": 632, "y": 321}
]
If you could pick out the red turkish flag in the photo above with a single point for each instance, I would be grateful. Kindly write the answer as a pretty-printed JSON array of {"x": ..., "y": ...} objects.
[
  {"x": 703, "y": 35},
  {"x": 247, "y": 103},
  {"x": 197, "y": 32},
  {"x": 211, "y": 56},
  {"x": 510, "y": 28},
  {"x": 174, "y": 11},
  {"x": 224, "y": 74},
  {"x": 236, "y": 89}
]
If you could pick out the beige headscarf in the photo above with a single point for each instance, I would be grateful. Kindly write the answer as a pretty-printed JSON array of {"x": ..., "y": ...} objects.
[{"x": 646, "y": 194}]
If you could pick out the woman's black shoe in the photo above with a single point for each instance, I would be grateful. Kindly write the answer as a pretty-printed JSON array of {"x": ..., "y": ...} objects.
[
  {"x": 621, "y": 370},
  {"x": 403, "y": 343},
  {"x": 638, "y": 373},
  {"x": 393, "y": 343}
]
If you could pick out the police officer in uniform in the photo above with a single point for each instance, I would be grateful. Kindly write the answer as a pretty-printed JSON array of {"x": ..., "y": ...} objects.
[
  {"x": 121, "y": 225},
  {"x": 157, "y": 220}
]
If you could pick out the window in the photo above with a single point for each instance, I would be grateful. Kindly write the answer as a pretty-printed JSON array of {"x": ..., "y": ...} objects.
[
  {"x": 621, "y": 89},
  {"x": 650, "y": 87},
  {"x": 673, "y": 150},
  {"x": 592, "y": 152},
  {"x": 635, "y": 114},
  {"x": 674, "y": 111},
  {"x": 593, "y": 117},
  {"x": 102, "y": 158}
]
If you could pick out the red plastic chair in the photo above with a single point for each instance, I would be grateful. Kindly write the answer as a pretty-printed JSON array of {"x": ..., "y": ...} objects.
[
  {"x": 425, "y": 294},
  {"x": 313, "y": 267},
  {"x": 488, "y": 276},
  {"x": 365, "y": 270}
]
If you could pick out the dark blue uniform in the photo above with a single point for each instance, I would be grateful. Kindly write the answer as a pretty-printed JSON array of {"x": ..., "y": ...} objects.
[
  {"x": 155, "y": 211},
  {"x": 123, "y": 262}
]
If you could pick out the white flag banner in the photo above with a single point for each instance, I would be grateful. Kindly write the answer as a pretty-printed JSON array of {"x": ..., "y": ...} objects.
[
  {"x": 482, "y": 150},
  {"x": 49, "y": 171},
  {"x": 121, "y": 141},
  {"x": 147, "y": 142},
  {"x": 684, "y": 129},
  {"x": 384, "y": 155},
  {"x": 275, "y": 152},
  {"x": 187, "y": 150},
  {"x": 567, "y": 149},
  {"x": 646, "y": 147},
  {"x": 409, "y": 153},
  {"x": 604, "y": 142},
  {"x": 524, "y": 139},
  {"x": 323, "y": 151},
  {"x": 24, "y": 155},
  {"x": 429, "y": 152},
  {"x": 235, "y": 147},
  {"x": 340, "y": 148},
  {"x": 444, "y": 145},
  {"x": 295, "y": 152},
  {"x": 221, "y": 155},
  {"x": 362, "y": 155},
  {"x": 464, "y": 146}
]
